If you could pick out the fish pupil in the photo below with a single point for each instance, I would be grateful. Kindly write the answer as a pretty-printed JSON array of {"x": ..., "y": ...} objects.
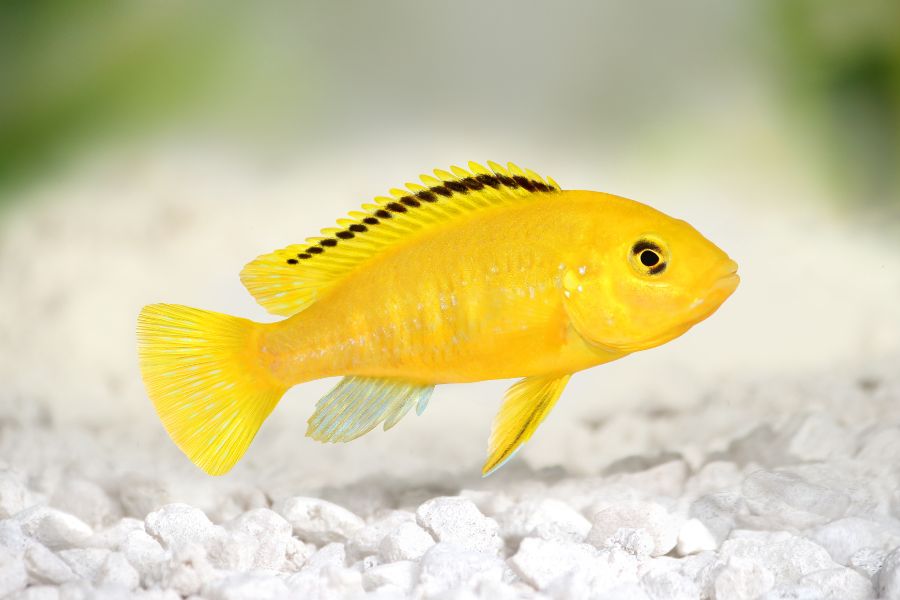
[{"x": 649, "y": 258}]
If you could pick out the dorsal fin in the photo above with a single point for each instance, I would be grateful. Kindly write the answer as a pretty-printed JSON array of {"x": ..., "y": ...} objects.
[{"x": 286, "y": 281}]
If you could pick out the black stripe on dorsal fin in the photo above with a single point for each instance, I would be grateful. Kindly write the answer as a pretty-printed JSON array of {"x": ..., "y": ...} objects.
[
  {"x": 447, "y": 185},
  {"x": 288, "y": 280}
]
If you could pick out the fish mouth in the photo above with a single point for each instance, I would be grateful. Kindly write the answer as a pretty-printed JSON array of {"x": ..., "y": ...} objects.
[{"x": 718, "y": 292}]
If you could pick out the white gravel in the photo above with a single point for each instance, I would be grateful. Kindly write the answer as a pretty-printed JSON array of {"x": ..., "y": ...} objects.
[{"x": 723, "y": 484}]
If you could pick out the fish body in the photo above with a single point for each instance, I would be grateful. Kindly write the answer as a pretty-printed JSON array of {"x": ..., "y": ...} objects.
[{"x": 489, "y": 274}]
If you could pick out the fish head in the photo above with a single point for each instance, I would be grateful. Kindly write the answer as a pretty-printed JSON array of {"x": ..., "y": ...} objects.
[{"x": 649, "y": 280}]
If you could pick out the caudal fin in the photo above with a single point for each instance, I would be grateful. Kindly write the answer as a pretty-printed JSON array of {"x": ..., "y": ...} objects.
[{"x": 202, "y": 374}]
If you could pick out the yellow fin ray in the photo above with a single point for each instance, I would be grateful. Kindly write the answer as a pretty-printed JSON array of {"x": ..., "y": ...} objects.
[
  {"x": 288, "y": 280},
  {"x": 525, "y": 405},
  {"x": 200, "y": 373}
]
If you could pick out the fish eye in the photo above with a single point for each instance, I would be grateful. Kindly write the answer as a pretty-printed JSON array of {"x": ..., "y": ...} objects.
[{"x": 648, "y": 257}]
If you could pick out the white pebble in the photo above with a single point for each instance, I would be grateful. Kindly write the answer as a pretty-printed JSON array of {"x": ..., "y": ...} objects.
[
  {"x": 743, "y": 579},
  {"x": 187, "y": 571},
  {"x": 12, "y": 537},
  {"x": 145, "y": 554},
  {"x": 38, "y": 592},
  {"x": 231, "y": 550},
  {"x": 156, "y": 594},
  {"x": 53, "y": 528},
  {"x": 140, "y": 496},
  {"x": 113, "y": 536},
  {"x": 44, "y": 566},
  {"x": 176, "y": 525},
  {"x": 401, "y": 574},
  {"x": 819, "y": 437},
  {"x": 792, "y": 591},
  {"x": 539, "y": 561},
  {"x": 714, "y": 477},
  {"x": 702, "y": 569},
  {"x": 669, "y": 585},
  {"x": 117, "y": 571},
  {"x": 719, "y": 512},
  {"x": 783, "y": 500},
  {"x": 638, "y": 542},
  {"x": 406, "y": 542},
  {"x": 247, "y": 586},
  {"x": 85, "y": 562},
  {"x": 458, "y": 521},
  {"x": 867, "y": 561},
  {"x": 612, "y": 576},
  {"x": 81, "y": 590},
  {"x": 446, "y": 567},
  {"x": 326, "y": 583},
  {"x": 546, "y": 518},
  {"x": 694, "y": 537},
  {"x": 887, "y": 581},
  {"x": 296, "y": 554},
  {"x": 787, "y": 556},
  {"x": 330, "y": 555},
  {"x": 271, "y": 532},
  {"x": 366, "y": 563},
  {"x": 318, "y": 521},
  {"x": 880, "y": 444},
  {"x": 845, "y": 537},
  {"x": 489, "y": 502},
  {"x": 13, "y": 576},
  {"x": 366, "y": 541},
  {"x": 14, "y": 495},
  {"x": 839, "y": 583},
  {"x": 660, "y": 524},
  {"x": 85, "y": 500}
]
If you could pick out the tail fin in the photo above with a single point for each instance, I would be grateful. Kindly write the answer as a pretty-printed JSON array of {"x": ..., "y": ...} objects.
[{"x": 201, "y": 373}]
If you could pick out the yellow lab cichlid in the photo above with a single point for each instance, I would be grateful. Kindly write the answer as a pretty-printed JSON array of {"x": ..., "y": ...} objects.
[{"x": 488, "y": 274}]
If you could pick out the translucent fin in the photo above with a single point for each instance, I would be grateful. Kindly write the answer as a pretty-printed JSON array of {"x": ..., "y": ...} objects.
[
  {"x": 525, "y": 405},
  {"x": 358, "y": 404},
  {"x": 200, "y": 373},
  {"x": 288, "y": 280}
]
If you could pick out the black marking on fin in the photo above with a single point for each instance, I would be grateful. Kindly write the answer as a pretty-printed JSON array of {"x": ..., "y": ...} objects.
[
  {"x": 445, "y": 189},
  {"x": 507, "y": 181},
  {"x": 488, "y": 180},
  {"x": 472, "y": 183},
  {"x": 457, "y": 187}
]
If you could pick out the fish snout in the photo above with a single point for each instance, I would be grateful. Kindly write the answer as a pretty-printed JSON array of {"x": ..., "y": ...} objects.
[{"x": 728, "y": 278}]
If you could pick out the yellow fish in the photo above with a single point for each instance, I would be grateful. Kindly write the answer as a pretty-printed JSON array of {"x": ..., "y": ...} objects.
[{"x": 490, "y": 273}]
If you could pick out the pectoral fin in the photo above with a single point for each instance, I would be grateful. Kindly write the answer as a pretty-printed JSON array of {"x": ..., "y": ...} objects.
[
  {"x": 525, "y": 405},
  {"x": 358, "y": 404}
]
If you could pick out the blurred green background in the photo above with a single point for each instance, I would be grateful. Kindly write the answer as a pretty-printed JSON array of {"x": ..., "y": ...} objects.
[{"x": 820, "y": 77}]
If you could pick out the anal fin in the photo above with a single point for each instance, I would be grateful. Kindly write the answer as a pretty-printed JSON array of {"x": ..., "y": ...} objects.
[
  {"x": 525, "y": 405},
  {"x": 358, "y": 404}
]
